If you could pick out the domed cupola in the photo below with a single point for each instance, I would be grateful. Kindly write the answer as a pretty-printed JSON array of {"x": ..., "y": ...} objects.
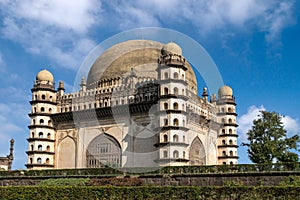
[
  {"x": 225, "y": 92},
  {"x": 45, "y": 75},
  {"x": 172, "y": 48}
]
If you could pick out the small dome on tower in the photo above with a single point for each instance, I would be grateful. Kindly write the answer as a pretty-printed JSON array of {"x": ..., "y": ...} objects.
[
  {"x": 225, "y": 91},
  {"x": 171, "y": 47},
  {"x": 44, "y": 75}
]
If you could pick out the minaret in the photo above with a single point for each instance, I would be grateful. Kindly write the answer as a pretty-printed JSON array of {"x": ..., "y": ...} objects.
[
  {"x": 227, "y": 138},
  {"x": 42, "y": 133},
  {"x": 172, "y": 142},
  {"x": 11, "y": 154}
]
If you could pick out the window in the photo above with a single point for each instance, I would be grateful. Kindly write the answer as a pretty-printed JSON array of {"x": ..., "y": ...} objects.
[
  {"x": 231, "y": 153},
  {"x": 230, "y": 141},
  {"x": 50, "y": 110},
  {"x": 175, "y": 75},
  {"x": 175, "y": 106},
  {"x": 48, "y": 148},
  {"x": 49, "y": 123},
  {"x": 30, "y": 160},
  {"x": 165, "y": 154},
  {"x": 223, "y": 153},
  {"x": 223, "y": 142},
  {"x": 39, "y": 161},
  {"x": 175, "y": 138},
  {"x": 43, "y": 97},
  {"x": 40, "y": 135},
  {"x": 182, "y": 91},
  {"x": 48, "y": 135},
  {"x": 47, "y": 160},
  {"x": 230, "y": 110},
  {"x": 41, "y": 122},
  {"x": 166, "y": 122},
  {"x": 182, "y": 76},
  {"x": 166, "y": 106},
  {"x": 231, "y": 163},
  {"x": 183, "y": 138},
  {"x": 42, "y": 109},
  {"x": 32, "y": 134},
  {"x": 31, "y": 147},
  {"x": 175, "y": 91},
  {"x": 33, "y": 122},
  {"x": 230, "y": 121},
  {"x": 183, "y": 154},
  {"x": 40, "y": 148},
  {"x": 175, "y": 122},
  {"x": 166, "y": 91},
  {"x": 223, "y": 131},
  {"x": 230, "y": 131},
  {"x": 183, "y": 122},
  {"x": 166, "y": 75},
  {"x": 175, "y": 154},
  {"x": 224, "y": 163},
  {"x": 165, "y": 138}
]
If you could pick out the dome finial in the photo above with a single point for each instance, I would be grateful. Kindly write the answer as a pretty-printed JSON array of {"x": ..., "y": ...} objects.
[{"x": 171, "y": 47}]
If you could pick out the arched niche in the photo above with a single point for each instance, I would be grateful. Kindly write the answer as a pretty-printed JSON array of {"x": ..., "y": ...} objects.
[
  {"x": 67, "y": 153},
  {"x": 104, "y": 150},
  {"x": 197, "y": 152}
]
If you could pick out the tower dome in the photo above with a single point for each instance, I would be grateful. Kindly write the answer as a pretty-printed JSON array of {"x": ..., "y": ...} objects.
[
  {"x": 225, "y": 92},
  {"x": 44, "y": 75},
  {"x": 171, "y": 47}
]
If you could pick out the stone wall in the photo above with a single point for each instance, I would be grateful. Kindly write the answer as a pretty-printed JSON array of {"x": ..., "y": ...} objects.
[{"x": 220, "y": 179}]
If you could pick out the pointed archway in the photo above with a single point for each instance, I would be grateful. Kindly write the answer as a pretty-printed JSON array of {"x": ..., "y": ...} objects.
[
  {"x": 197, "y": 153},
  {"x": 104, "y": 150}
]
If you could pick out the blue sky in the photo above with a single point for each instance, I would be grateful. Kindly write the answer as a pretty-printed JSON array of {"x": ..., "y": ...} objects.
[{"x": 255, "y": 45}]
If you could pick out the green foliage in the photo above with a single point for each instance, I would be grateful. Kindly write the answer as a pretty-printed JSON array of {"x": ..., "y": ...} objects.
[
  {"x": 64, "y": 182},
  {"x": 268, "y": 141},
  {"x": 186, "y": 192},
  {"x": 232, "y": 183},
  {"x": 291, "y": 181}
]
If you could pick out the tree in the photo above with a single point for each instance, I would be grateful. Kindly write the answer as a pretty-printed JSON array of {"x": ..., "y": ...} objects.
[{"x": 268, "y": 141}]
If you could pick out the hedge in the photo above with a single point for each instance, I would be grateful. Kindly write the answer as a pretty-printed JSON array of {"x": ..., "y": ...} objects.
[
  {"x": 106, "y": 171},
  {"x": 143, "y": 192}
]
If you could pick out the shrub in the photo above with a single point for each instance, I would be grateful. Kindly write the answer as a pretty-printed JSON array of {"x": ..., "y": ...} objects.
[{"x": 64, "y": 182}]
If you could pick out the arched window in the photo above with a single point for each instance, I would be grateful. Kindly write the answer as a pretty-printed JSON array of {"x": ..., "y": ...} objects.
[
  {"x": 43, "y": 97},
  {"x": 35, "y": 97},
  {"x": 223, "y": 142},
  {"x": 48, "y": 135},
  {"x": 166, "y": 106},
  {"x": 49, "y": 123},
  {"x": 165, "y": 138},
  {"x": 231, "y": 153},
  {"x": 230, "y": 121},
  {"x": 39, "y": 161},
  {"x": 175, "y": 122},
  {"x": 175, "y": 75},
  {"x": 166, "y": 90},
  {"x": 40, "y": 135},
  {"x": 40, "y": 148},
  {"x": 31, "y": 148},
  {"x": 224, "y": 163},
  {"x": 183, "y": 138},
  {"x": 47, "y": 160},
  {"x": 175, "y": 90},
  {"x": 30, "y": 160},
  {"x": 50, "y": 110},
  {"x": 223, "y": 153},
  {"x": 231, "y": 162},
  {"x": 41, "y": 122},
  {"x": 183, "y": 122},
  {"x": 182, "y": 76},
  {"x": 166, "y": 122},
  {"x": 223, "y": 131},
  {"x": 182, "y": 91},
  {"x": 33, "y": 121},
  {"x": 166, "y": 75},
  {"x": 175, "y": 154},
  {"x": 175, "y": 138},
  {"x": 183, "y": 154},
  {"x": 230, "y": 131},
  {"x": 230, "y": 110},
  {"x": 42, "y": 109},
  {"x": 230, "y": 141},
  {"x": 175, "y": 106},
  {"x": 48, "y": 148},
  {"x": 32, "y": 134},
  {"x": 165, "y": 153}
]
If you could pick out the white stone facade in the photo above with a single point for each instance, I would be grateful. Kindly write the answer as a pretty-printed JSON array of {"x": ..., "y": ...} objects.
[{"x": 126, "y": 117}]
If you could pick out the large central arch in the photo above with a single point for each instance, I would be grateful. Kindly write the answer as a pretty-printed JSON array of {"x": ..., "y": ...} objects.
[
  {"x": 102, "y": 151},
  {"x": 197, "y": 153}
]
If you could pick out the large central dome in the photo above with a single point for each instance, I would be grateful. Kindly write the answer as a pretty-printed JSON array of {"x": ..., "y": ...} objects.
[{"x": 142, "y": 55}]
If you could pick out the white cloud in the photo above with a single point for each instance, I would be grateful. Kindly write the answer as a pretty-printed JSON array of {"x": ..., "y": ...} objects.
[
  {"x": 245, "y": 122},
  {"x": 56, "y": 29}
]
